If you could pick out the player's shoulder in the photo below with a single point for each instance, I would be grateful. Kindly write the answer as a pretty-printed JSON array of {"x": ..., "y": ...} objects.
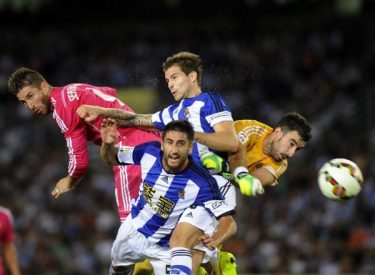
[
  {"x": 152, "y": 147},
  {"x": 211, "y": 96},
  {"x": 252, "y": 126}
]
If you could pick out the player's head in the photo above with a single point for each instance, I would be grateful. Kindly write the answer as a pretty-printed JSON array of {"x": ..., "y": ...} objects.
[
  {"x": 183, "y": 73},
  {"x": 178, "y": 139},
  {"x": 290, "y": 134},
  {"x": 31, "y": 89}
]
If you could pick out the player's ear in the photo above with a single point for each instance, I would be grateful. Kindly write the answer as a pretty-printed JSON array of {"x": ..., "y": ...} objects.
[
  {"x": 193, "y": 76},
  {"x": 44, "y": 86},
  {"x": 278, "y": 132},
  {"x": 190, "y": 147}
]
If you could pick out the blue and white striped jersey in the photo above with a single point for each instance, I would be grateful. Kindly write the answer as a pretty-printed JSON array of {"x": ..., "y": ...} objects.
[
  {"x": 164, "y": 197},
  {"x": 202, "y": 111}
]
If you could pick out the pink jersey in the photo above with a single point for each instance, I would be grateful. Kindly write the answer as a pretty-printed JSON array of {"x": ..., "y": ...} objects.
[
  {"x": 65, "y": 102},
  {"x": 6, "y": 230}
]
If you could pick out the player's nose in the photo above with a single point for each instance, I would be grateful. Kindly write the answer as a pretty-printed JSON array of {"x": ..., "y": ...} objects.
[{"x": 30, "y": 105}]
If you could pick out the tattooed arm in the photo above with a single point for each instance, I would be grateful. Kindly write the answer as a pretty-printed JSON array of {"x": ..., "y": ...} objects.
[{"x": 122, "y": 117}]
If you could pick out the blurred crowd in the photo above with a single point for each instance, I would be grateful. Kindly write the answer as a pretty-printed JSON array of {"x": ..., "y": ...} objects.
[{"x": 264, "y": 67}]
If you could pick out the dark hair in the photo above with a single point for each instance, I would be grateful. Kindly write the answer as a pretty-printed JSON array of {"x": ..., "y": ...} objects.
[
  {"x": 187, "y": 61},
  {"x": 24, "y": 77},
  {"x": 295, "y": 122},
  {"x": 183, "y": 126}
]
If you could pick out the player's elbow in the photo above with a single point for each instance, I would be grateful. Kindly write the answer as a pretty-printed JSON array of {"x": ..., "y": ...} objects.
[{"x": 233, "y": 146}]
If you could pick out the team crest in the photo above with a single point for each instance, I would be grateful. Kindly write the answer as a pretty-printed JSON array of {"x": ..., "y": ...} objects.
[
  {"x": 187, "y": 113},
  {"x": 181, "y": 194},
  {"x": 242, "y": 137}
]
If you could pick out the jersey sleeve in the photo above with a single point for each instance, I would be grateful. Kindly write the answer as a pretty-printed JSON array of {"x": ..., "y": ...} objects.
[
  {"x": 133, "y": 155},
  {"x": 162, "y": 118},
  {"x": 245, "y": 132},
  {"x": 6, "y": 222},
  {"x": 73, "y": 127},
  {"x": 74, "y": 130},
  {"x": 216, "y": 110},
  {"x": 219, "y": 208}
]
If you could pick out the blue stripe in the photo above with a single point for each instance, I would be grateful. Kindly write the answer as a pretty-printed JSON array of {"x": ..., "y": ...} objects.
[
  {"x": 203, "y": 173},
  {"x": 177, "y": 269},
  {"x": 218, "y": 101}
]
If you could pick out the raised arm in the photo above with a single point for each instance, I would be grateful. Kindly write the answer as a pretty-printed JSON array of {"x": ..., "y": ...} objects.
[
  {"x": 122, "y": 117},
  {"x": 108, "y": 151},
  {"x": 223, "y": 139}
]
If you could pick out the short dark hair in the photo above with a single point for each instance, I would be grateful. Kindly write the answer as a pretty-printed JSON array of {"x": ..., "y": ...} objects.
[
  {"x": 296, "y": 122},
  {"x": 24, "y": 77},
  {"x": 183, "y": 126},
  {"x": 187, "y": 61}
]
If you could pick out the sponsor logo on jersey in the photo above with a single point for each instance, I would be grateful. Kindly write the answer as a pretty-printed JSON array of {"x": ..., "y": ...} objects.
[
  {"x": 71, "y": 92},
  {"x": 217, "y": 204},
  {"x": 164, "y": 178}
]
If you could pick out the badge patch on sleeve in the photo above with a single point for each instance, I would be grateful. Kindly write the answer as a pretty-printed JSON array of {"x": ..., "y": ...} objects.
[{"x": 242, "y": 137}]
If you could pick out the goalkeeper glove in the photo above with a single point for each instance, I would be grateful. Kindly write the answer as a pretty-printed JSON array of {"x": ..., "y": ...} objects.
[
  {"x": 249, "y": 185},
  {"x": 214, "y": 163}
]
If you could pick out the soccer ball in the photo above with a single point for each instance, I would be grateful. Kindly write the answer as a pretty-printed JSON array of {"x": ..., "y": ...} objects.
[{"x": 340, "y": 179}]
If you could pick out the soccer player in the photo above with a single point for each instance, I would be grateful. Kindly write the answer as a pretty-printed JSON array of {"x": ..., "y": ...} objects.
[
  {"x": 9, "y": 250},
  {"x": 39, "y": 96},
  {"x": 32, "y": 90},
  {"x": 206, "y": 111},
  {"x": 268, "y": 149},
  {"x": 172, "y": 182}
]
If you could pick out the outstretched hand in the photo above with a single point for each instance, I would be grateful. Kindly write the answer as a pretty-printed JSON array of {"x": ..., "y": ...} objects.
[
  {"x": 108, "y": 131},
  {"x": 64, "y": 185},
  {"x": 210, "y": 242},
  {"x": 89, "y": 113}
]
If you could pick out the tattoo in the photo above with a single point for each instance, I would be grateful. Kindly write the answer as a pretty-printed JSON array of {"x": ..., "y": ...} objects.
[
  {"x": 120, "y": 114},
  {"x": 136, "y": 120},
  {"x": 143, "y": 120}
]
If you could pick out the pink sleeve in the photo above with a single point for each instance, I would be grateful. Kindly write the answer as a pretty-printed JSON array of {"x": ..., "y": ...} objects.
[
  {"x": 78, "y": 153},
  {"x": 76, "y": 138},
  {"x": 6, "y": 232}
]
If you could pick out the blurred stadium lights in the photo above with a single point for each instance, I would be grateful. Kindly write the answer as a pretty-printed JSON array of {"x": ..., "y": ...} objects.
[
  {"x": 22, "y": 5},
  {"x": 349, "y": 7}
]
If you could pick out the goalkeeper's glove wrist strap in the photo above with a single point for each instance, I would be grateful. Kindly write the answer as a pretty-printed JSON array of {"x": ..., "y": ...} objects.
[{"x": 239, "y": 171}]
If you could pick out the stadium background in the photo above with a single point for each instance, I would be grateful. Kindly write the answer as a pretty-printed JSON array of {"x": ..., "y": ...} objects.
[{"x": 265, "y": 57}]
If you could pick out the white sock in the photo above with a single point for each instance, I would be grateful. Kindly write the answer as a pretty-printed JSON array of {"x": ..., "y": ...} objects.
[{"x": 181, "y": 262}]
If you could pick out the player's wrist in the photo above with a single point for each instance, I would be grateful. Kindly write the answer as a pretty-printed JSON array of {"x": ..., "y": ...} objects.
[{"x": 240, "y": 171}]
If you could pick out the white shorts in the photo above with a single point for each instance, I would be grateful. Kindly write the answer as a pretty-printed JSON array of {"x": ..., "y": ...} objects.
[
  {"x": 202, "y": 219},
  {"x": 131, "y": 247}
]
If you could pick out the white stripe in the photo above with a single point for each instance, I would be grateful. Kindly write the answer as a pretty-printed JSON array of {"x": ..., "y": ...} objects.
[
  {"x": 165, "y": 116},
  {"x": 72, "y": 158},
  {"x": 219, "y": 117},
  {"x": 124, "y": 183},
  {"x": 63, "y": 97},
  {"x": 59, "y": 122}
]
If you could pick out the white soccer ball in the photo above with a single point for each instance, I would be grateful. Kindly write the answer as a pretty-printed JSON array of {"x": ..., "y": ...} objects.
[{"x": 340, "y": 179}]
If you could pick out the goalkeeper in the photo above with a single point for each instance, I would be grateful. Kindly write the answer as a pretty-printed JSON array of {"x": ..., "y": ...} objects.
[{"x": 265, "y": 149}]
